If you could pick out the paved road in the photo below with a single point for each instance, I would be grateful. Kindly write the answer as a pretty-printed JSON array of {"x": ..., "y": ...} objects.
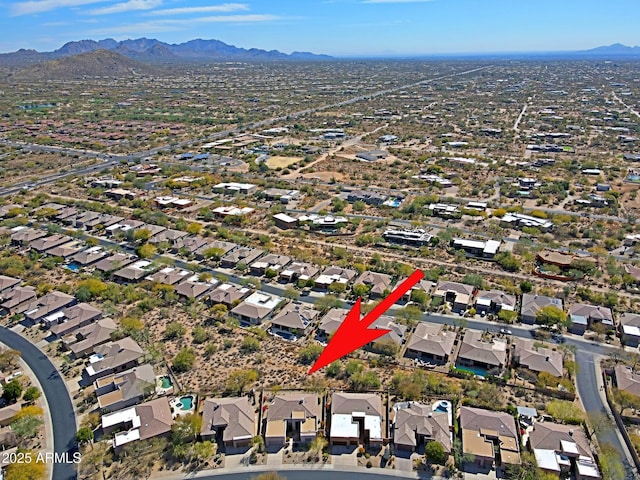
[
  {"x": 54, "y": 389},
  {"x": 307, "y": 475}
]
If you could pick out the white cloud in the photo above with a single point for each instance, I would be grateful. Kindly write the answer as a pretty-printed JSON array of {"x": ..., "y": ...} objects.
[
  {"x": 39, "y": 6},
  {"x": 172, "y": 25},
  {"x": 225, "y": 7},
  {"x": 129, "y": 6}
]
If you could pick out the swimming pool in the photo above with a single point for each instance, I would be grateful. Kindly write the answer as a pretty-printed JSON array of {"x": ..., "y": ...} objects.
[
  {"x": 74, "y": 267},
  {"x": 166, "y": 382},
  {"x": 481, "y": 372},
  {"x": 186, "y": 403},
  {"x": 633, "y": 178}
]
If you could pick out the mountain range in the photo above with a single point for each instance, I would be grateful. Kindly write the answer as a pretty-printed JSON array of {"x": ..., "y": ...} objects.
[{"x": 155, "y": 51}]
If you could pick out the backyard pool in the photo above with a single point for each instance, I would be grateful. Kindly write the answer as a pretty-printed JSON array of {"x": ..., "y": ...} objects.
[
  {"x": 442, "y": 406},
  {"x": 186, "y": 403},
  {"x": 481, "y": 372},
  {"x": 633, "y": 178},
  {"x": 165, "y": 382},
  {"x": 74, "y": 267}
]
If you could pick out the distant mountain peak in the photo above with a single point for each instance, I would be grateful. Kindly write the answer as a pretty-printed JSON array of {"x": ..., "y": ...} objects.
[{"x": 613, "y": 49}]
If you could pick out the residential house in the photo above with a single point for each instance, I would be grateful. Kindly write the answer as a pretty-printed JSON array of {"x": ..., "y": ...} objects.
[
  {"x": 626, "y": 380},
  {"x": 295, "y": 318},
  {"x": 49, "y": 304},
  {"x": 82, "y": 341},
  {"x": 124, "y": 228},
  {"x": 228, "y": 421},
  {"x": 416, "y": 237},
  {"x": 46, "y": 243},
  {"x": 477, "y": 248},
  {"x": 89, "y": 256},
  {"x": 528, "y": 354},
  {"x": 356, "y": 419},
  {"x": 256, "y": 308},
  {"x": 7, "y": 284},
  {"x": 284, "y": 221},
  {"x": 66, "y": 250},
  {"x": 242, "y": 255},
  {"x": 532, "y": 304},
  {"x": 234, "y": 188},
  {"x": 482, "y": 349},
  {"x": 394, "y": 338},
  {"x": 8, "y": 414},
  {"x": 331, "y": 322},
  {"x": 23, "y": 236},
  {"x": 121, "y": 390},
  {"x": 490, "y": 437},
  {"x": 630, "y": 329},
  {"x": 492, "y": 301},
  {"x": 168, "y": 236},
  {"x": 415, "y": 425},
  {"x": 113, "y": 262},
  {"x": 228, "y": 294},
  {"x": 169, "y": 276},
  {"x": 563, "y": 450},
  {"x": 461, "y": 296},
  {"x": 379, "y": 283},
  {"x": 431, "y": 342},
  {"x": 271, "y": 261},
  {"x": 63, "y": 322},
  {"x": 220, "y": 247},
  {"x": 583, "y": 316},
  {"x": 193, "y": 289},
  {"x": 298, "y": 271},
  {"x": 18, "y": 300},
  {"x": 113, "y": 357},
  {"x": 189, "y": 245},
  {"x": 294, "y": 415},
  {"x": 144, "y": 421},
  {"x": 134, "y": 271},
  {"x": 334, "y": 275}
]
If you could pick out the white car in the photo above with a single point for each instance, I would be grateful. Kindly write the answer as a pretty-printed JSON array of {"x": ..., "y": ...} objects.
[{"x": 505, "y": 331}]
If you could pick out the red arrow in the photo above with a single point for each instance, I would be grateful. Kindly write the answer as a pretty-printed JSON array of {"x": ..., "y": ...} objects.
[{"x": 354, "y": 333}]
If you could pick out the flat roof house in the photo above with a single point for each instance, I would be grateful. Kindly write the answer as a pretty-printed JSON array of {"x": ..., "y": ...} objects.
[
  {"x": 228, "y": 421},
  {"x": 528, "y": 354},
  {"x": 431, "y": 342},
  {"x": 415, "y": 425},
  {"x": 144, "y": 421},
  {"x": 113, "y": 357},
  {"x": 295, "y": 415},
  {"x": 531, "y": 305},
  {"x": 487, "y": 353},
  {"x": 491, "y": 437},
  {"x": 124, "y": 389},
  {"x": 356, "y": 418},
  {"x": 477, "y": 248}
]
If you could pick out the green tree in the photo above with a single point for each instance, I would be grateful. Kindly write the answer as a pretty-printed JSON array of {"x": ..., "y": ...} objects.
[
  {"x": 310, "y": 353},
  {"x": 611, "y": 463},
  {"x": 434, "y": 451},
  {"x": 184, "y": 360},
  {"x": 250, "y": 345},
  {"x": 551, "y": 315},
  {"x": 327, "y": 302},
  {"x": 174, "y": 330},
  {"x": 626, "y": 400},
  {"x": 146, "y": 251},
  {"x": 239, "y": 379},
  {"x": 409, "y": 315},
  {"x": 420, "y": 297},
  {"x": 360, "y": 290},
  {"x": 84, "y": 435},
  {"x": 31, "y": 393},
  {"x": 26, "y": 470},
  {"x": 291, "y": 293},
  {"x": 186, "y": 428},
  {"x": 142, "y": 235},
  {"x": 12, "y": 391},
  {"x": 26, "y": 427},
  {"x": 526, "y": 286}
]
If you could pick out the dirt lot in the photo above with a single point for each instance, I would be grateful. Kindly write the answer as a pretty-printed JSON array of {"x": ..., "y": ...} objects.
[{"x": 281, "y": 162}]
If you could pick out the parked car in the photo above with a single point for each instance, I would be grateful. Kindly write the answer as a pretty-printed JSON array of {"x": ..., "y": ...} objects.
[{"x": 506, "y": 331}]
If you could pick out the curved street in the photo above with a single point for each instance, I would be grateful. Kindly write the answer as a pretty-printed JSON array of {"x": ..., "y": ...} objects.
[{"x": 54, "y": 389}]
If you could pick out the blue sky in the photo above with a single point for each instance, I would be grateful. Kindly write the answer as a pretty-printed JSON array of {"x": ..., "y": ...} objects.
[{"x": 335, "y": 27}]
